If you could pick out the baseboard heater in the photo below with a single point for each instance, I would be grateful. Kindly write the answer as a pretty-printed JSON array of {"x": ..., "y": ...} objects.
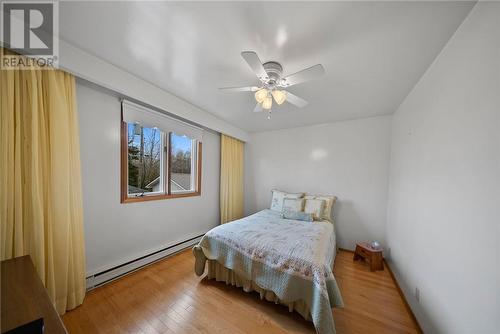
[{"x": 111, "y": 274}]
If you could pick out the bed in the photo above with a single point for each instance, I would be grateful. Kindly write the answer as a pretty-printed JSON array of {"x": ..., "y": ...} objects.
[{"x": 286, "y": 261}]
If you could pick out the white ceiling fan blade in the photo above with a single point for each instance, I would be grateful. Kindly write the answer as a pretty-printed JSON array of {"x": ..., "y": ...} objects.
[
  {"x": 255, "y": 64},
  {"x": 240, "y": 89},
  {"x": 295, "y": 100},
  {"x": 258, "y": 108},
  {"x": 310, "y": 73}
]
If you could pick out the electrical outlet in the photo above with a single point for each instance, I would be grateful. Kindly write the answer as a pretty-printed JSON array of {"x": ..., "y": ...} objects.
[{"x": 417, "y": 294}]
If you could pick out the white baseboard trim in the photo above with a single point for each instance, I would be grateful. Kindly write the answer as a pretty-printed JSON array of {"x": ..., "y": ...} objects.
[{"x": 103, "y": 277}]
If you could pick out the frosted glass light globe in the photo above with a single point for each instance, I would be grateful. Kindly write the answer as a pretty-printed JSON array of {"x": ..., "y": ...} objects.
[
  {"x": 279, "y": 96},
  {"x": 267, "y": 103},
  {"x": 260, "y": 95}
]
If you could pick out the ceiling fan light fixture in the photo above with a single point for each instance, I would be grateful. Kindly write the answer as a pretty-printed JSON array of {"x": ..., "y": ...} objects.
[
  {"x": 273, "y": 84},
  {"x": 279, "y": 96},
  {"x": 261, "y": 95},
  {"x": 267, "y": 103}
]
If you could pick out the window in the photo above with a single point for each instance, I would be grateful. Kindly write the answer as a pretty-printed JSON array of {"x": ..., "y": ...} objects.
[
  {"x": 182, "y": 169},
  {"x": 160, "y": 159},
  {"x": 145, "y": 160}
]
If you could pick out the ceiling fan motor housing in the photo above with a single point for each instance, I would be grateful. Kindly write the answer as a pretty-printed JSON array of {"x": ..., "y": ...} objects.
[{"x": 274, "y": 71}]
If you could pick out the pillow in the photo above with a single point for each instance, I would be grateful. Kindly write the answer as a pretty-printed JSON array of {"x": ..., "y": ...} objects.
[
  {"x": 293, "y": 204},
  {"x": 316, "y": 207},
  {"x": 307, "y": 217},
  {"x": 329, "y": 201},
  {"x": 279, "y": 196}
]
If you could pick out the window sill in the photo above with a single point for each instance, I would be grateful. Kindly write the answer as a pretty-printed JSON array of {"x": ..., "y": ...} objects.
[{"x": 158, "y": 197}]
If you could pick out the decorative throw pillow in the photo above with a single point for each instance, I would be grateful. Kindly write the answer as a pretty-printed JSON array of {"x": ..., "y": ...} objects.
[
  {"x": 329, "y": 201},
  {"x": 293, "y": 204},
  {"x": 279, "y": 196},
  {"x": 316, "y": 207},
  {"x": 307, "y": 217}
]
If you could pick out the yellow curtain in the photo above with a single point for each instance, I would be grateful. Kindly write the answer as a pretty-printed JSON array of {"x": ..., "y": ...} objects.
[
  {"x": 231, "y": 178},
  {"x": 40, "y": 179}
]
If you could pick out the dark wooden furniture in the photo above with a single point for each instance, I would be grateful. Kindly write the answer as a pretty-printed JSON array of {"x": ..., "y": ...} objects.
[
  {"x": 24, "y": 298},
  {"x": 374, "y": 256}
]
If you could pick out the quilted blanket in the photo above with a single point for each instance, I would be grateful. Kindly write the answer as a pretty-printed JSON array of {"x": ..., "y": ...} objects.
[{"x": 293, "y": 259}]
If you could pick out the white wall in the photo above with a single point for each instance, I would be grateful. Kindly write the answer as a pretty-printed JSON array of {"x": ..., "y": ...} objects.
[
  {"x": 443, "y": 212},
  {"x": 348, "y": 159},
  {"x": 114, "y": 232}
]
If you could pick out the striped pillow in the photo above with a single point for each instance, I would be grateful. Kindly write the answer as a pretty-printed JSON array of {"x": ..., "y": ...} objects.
[{"x": 294, "y": 215}]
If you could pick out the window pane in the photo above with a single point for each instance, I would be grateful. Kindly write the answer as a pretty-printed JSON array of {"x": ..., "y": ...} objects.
[
  {"x": 182, "y": 174},
  {"x": 144, "y": 159}
]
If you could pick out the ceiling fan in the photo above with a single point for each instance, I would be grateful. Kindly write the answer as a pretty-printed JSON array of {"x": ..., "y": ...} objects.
[{"x": 273, "y": 83}]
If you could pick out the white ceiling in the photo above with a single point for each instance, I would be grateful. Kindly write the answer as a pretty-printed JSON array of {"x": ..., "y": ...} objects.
[{"x": 373, "y": 52}]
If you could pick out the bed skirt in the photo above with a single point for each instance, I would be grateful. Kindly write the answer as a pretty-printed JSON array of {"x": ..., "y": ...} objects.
[{"x": 222, "y": 274}]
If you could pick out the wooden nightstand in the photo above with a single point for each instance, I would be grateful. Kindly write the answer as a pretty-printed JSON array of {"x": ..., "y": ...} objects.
[{"x": 374, "y": 256}]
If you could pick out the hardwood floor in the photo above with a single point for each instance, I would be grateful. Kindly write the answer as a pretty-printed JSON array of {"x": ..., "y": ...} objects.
[{"x": 167, "y": 297}]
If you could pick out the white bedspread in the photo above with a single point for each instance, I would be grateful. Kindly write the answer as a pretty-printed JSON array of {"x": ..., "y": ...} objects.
[{"x": 294, "y": 259}]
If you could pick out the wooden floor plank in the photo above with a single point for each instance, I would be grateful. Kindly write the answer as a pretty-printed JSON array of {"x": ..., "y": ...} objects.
[{"x": 167, "y": 297}]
